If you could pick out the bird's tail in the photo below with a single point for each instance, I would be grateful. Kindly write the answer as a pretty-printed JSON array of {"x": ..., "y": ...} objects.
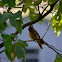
[{"x": 40, "y": 42}]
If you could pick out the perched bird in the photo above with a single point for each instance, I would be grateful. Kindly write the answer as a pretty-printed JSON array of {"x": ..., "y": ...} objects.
[{"x": 35, "y": 36}]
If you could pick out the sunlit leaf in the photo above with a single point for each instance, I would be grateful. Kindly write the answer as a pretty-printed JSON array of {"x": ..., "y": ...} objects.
[
  {"x": 56, "y": 6},
  {"x": 58, "y": 58},
  {"x": 30, "y": 2},
  {"x": 40, "y": 21},
  {"x": 57, "y": 24},
  {"x": 51, "y": 2},
  {"x": 37, "y": 2},
  {"x": 44, "y": 0},
  {"x": 24, "y": 8}
]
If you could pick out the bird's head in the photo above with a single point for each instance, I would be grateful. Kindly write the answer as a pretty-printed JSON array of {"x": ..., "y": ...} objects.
[{"x": 30, "y": 27}]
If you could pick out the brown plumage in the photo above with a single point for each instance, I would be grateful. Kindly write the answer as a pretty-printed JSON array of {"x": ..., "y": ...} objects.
[{"x": 35, "y": 36}]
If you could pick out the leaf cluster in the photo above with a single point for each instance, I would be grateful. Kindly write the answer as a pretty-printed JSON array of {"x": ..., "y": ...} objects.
[{"x": 15, "y": 47}]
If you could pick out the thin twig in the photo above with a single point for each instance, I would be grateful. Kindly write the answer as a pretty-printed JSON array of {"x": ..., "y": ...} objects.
[
  {"x": 2, "y": 44},
  {"x": 8, "y": 9},
  {"x": 46, "y": 31},
  {"x": 1, "y": 40},
  {"x": 50, "y": 46},
  {"x": 55, "y": 50},
  {"x": 2, "y": 51},
  {"x": 17, "y": 7},
  {"x": 44, "y": 9},
  {"x": 41, "y": 16},
  {"x": 38, "y": 9},
  {"x": 33, "y": 22},
  {"x": 29, "y": 40}
]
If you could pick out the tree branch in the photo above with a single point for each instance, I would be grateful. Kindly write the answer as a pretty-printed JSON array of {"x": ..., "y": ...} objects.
[
  {"x": 2, "y": 51},
  {"x": 2, "y": 44},
  {"x": 38, "y": 9},
  {"x": 41, "y": 16},
  {"x": 33, "y": 22},
  {"x": 44, "y": 9},
  {"x": 50, "y": 46},
  {"x": 8, "y": 9}
]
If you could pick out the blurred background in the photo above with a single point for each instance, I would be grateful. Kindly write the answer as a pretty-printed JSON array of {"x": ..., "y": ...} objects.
[{"x": 34, "y": 53}]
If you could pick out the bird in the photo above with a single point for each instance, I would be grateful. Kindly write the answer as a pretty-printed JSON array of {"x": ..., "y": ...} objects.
[{"x": 35, "y": 36}]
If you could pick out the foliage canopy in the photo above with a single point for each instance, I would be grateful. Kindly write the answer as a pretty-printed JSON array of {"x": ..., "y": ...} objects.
[{"x": 14, "y": 46}]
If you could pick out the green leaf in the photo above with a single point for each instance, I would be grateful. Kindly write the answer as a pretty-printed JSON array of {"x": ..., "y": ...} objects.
[
  {"x": 18, "y": 15},
  {"x": 56, "y": 24},
  {"x": 8, "y": 49},
  {"x": 44, "y": 0},
  {"x": 11, "y": 56},
  {"x": 3, "y": 26},
  {"x": 58, "y": 58},
  {"x": 1, "y": 4},
  {"x": 40, "y": 21},
  {"x": 23, "y": 42},
  {"x": 4, "y": 17},
  {"x": 60, "y": 6},
  {"x": 5, "y": 1},
  {"x": 21, "y": 2},
  {"x": 5, "y": 37},
  {"x": 19, "y": 26},
  {"x": 24, "y": 57},
  {"x": 37, "y": 2},
  {"x": 13, "y": 21},
  {"x": 8, "y": 55},
  {"x": 51, "y": 2},
  {"x": 57, "y": 32},
  {"x": 11, "y": 2},
  {"x": 24, "y": 8},
  {"x": 19, "y": 51},
  {"x": 8, "y": 46},
  {"x": 32, "y": 15},
  {"x": 56, "y": 6},
  {"x": 16, "y": 21},
  {"x": 14, "y": 36},
  {"x": 30, "y": 2}
]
